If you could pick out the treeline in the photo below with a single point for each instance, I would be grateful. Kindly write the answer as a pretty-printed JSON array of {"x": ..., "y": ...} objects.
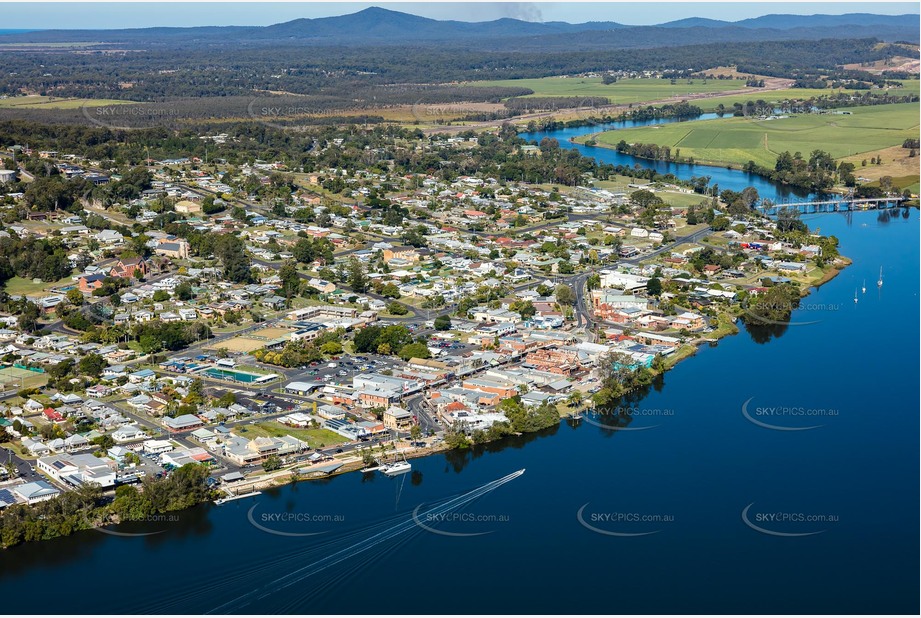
[
  {"x": 653, "y": 152},
  {"x": 818, "y": 172},
  {"x": 537, "y": 104},
  {"x": 83, "y": 508},
  {"x": 153, "y": 336},
  {"x": 299, "y": 353},
  {"x": 669, "y": 110}
]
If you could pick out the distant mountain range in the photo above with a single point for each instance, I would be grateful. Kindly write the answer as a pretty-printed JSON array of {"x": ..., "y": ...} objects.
[{"x": 378, "y": 26}]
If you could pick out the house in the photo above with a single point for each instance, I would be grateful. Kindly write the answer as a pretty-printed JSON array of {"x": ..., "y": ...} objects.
[
  {"x": 37, "y": 491},
  {"x": 109, "y": 237},
  {"x": 52, "y": 415},
  {"x": 88, "y": 283},
  {"x": 118, "y": 453},
  {"x": 183, "y": 422},
  {"x": 321, "y": 285},
  {"x": 142, "y": 375},
  {"x": 35, "y": 447},
  {"x": 75, "y": 443},
  {"x": 128, "y": 433}
]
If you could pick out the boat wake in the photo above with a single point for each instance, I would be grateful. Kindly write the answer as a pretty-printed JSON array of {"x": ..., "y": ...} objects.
[{"x": 401, "y": 527}]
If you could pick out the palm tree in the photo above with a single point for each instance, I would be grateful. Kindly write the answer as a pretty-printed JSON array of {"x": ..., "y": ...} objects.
[{"x": 575, "y": 399}]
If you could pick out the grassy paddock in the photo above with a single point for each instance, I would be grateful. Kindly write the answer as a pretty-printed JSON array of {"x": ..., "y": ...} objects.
[
  {"x": 737, "y": 140},
  {"x": 621, "y": 91},
  {"x": 39, "y": 102},
  {"x": 776, "y": 96}
]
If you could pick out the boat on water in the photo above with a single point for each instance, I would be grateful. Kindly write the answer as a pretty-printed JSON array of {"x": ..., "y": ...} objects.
[
  {"x": 864, "y": 288},
  {"x": 879, "y": 282},
  {"x": 855, "y": 295},
  {"x": 396, "y": 468},
  {"x": 231, "y": 498}
]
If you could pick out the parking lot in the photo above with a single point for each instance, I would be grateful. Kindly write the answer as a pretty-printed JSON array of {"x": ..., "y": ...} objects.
[{"x": 344, "y": 368}]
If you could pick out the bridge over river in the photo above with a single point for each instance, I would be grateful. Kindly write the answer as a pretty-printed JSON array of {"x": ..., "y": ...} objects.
[{"x": 841, "y": 204}]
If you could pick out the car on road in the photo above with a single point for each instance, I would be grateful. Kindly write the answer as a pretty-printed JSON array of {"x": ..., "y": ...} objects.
[{"x": 338, "y": 450}]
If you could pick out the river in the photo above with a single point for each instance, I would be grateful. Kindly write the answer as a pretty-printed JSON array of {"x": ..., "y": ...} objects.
[{"x": 692, "y": 507}]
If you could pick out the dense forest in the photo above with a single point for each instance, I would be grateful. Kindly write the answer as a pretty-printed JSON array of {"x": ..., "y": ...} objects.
[{"x": 388, "y": 74}]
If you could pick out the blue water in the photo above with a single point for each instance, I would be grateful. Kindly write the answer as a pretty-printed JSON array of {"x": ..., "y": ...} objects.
[
  {"x": 725, "y": 178},
  {"x": 696, "y": 468}
]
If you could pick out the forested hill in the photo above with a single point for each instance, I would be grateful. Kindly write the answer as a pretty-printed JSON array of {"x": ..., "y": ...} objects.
[{"x": 376, "y": 26}]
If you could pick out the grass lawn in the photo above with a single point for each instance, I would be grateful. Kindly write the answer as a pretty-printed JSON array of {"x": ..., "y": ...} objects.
[
  {"x": 316, "y": 438},
  {"x": 622, "y": 91},
  {"x": 738, "y": 140},
  {"x": 387, "y": 314},
  {"x": 19, "y": 286}
]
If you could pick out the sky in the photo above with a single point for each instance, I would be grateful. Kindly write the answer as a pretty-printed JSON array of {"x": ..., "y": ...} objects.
[{"x": 86, "y": 15}]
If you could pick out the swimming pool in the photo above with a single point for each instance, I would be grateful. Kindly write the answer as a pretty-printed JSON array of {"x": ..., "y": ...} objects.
[{"x": 228, "y": 374}]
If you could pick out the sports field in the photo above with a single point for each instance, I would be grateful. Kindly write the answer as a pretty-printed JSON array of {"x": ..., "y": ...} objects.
[
  {"x": 13, "y": 378},
  {"x": 738, "y": 140},
  {"x": 237, "y": 344},
  {"x": 270, "y": 333},
  {"x": 621, "y": 91}
]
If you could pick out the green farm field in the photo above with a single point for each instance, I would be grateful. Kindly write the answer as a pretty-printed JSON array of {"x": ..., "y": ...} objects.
[
  {"x": 909, "y": 86},
  {"x": 622, "y": 91},
  {"x": 736, "y": 141}
]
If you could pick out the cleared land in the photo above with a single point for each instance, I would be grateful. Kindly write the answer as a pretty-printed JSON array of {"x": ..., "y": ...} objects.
[
  {"x": 897, "y": 164},
  {"x": 738, "y": 140},
  {"x": 38, "y": 102},
  {"x": 621, "y": 91},
  {"x": 910, "y": 86},
  {"x": 238, "y": 344},
  {"x": 270, "y": 333}
]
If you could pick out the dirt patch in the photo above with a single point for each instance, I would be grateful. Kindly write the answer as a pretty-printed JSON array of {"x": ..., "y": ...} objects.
[
  {"x": 270, "y": 333},
  {"x": 238, "y": 344},
  {"x": 899, "y": 63}
]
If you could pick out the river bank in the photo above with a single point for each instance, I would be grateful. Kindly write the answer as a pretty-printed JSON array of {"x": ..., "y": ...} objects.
[{"x": 583, "y": 140}]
